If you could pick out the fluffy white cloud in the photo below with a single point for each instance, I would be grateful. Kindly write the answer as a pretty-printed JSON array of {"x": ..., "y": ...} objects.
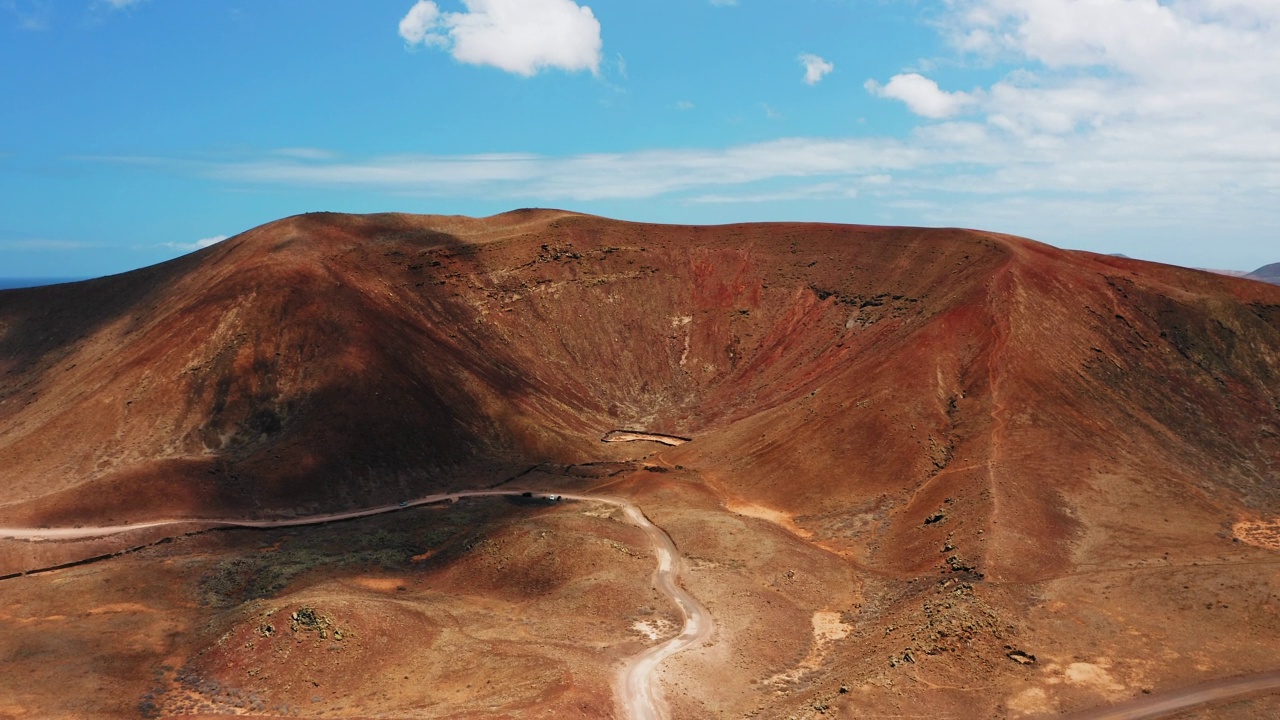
[
  {"x": 421, "y": 23},
  {"x": 922, "y": 95},
  {"x": 518, "y": 36},
  {"x": 815, "y": 68},
  {"x": 1182, "y": 70}
]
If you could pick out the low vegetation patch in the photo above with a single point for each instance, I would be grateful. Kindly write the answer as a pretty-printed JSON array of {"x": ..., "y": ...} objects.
[{"x": 390, "y": 544}]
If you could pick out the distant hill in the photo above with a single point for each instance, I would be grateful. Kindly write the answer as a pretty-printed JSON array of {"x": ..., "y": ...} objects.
[{"x": 1267, "y": 273}]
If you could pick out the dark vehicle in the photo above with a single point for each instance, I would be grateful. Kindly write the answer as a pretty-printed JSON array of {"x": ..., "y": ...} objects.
[{"x": 526, "y": 494}]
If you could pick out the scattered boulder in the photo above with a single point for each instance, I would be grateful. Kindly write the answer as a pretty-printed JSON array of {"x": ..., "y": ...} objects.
[{"x": 306, "y": 619}]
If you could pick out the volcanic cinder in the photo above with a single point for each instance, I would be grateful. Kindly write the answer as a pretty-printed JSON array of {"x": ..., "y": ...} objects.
[{"x": 927, "y": 472}]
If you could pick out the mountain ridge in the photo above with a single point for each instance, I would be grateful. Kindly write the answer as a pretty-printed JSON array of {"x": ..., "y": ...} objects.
[{"x": 325, "y": 361}]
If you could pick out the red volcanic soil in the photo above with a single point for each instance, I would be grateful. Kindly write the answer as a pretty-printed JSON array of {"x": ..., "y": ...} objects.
[
  {"x": 326, "y": 361},
  {"x": 907, "y": 403}
]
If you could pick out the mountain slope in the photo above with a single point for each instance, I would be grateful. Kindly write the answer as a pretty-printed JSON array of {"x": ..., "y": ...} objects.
[{"x": 1038, "y": 403}]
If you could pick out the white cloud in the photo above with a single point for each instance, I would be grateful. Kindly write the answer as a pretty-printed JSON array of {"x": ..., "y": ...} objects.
[
  {"x": 633, "y": 175},
  {"x": 1112, "y": 114},
  {"x": 206, "y": 242},
  {"x": 820, "y": 191},
  {"x": 724, "y": 3},
  {"x": 1123, "y": 117},
  {"x": 420, "y": 24},
  {"x": 684, "y": 105},
  {"x": 118, "y": 4},
  {"x": 922, "y": 95},
  {"x": 1185, "y": 71},
  {"x": 197, "y": 245},
  {"x": 815, "y": 68},
  {"x": 964, "y": 157},
  {"x": 1118, "y": 186},
  {"x": 518, "y": 36}
]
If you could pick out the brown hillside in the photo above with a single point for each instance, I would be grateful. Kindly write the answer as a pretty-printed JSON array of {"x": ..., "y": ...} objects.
[
  {"x": 936, "y": 473},
  {"x": 862, "y": 379}
]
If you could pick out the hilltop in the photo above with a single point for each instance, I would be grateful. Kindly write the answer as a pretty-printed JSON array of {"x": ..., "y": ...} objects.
[{"x": 908, "y": 403}]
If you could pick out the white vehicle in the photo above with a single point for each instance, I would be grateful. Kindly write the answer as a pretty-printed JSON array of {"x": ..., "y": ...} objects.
[{"x": 553, "y": 498}]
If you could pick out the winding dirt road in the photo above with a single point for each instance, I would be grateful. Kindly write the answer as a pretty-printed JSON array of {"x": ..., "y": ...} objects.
[
  {"x": 636, "y": 681},
  {"x": 638, "y": 694}
]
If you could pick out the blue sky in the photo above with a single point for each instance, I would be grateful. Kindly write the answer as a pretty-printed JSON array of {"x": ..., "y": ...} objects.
[{"x": 133, "y": 131}]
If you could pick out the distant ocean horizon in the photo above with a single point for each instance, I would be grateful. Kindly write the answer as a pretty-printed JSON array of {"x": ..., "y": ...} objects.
[{"x": 15, "y": 283}]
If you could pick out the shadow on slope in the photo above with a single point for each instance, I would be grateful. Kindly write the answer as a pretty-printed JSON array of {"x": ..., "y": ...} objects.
[{"x": 863, "y": 380}]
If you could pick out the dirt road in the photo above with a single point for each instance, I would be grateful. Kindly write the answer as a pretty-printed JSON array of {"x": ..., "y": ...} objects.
[
  {"x": 1164, "y": 704},
  {"x": 636, "y": 680},
  {"x": 638, "y": 694},
  {"x": 80, "y": 533}
]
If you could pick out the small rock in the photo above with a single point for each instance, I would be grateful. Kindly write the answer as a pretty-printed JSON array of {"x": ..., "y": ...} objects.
[{"x": 1021, "y": 657}]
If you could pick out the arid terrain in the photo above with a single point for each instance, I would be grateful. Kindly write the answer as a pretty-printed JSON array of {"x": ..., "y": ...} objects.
[{"x": 906, "y": 473}]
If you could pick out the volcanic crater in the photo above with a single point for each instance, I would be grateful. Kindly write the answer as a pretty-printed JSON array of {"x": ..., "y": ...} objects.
[{"x": 906, "y": 470}]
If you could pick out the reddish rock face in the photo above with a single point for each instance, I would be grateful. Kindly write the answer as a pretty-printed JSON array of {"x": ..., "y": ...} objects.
[{"x": 1030, "y": 402}]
